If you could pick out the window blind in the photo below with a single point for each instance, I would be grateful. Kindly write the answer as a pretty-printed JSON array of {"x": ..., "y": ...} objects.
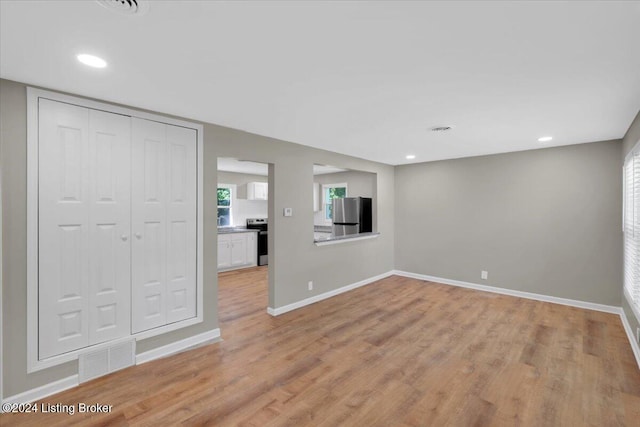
[{"x": 631, "y": 228}]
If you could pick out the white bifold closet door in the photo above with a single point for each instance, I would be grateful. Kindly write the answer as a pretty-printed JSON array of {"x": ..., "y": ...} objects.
[
  {"x": 163, "y": 223},
  {"x": 83, "y": 227}
]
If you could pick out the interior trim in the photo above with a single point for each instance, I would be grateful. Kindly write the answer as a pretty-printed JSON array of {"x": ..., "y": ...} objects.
[
  {"x": 214, "y": 335},
  {"x": 44, "y": 391},
  {"x": 635, "y": 346},
  {"x": 178, "y": 346},
  {"x": 308, "y": 301},
  {"x": 33, "y": 94},
  {"x": 347, "y": 239},
  {"x": 635, "y": 312},
  {"x": 522, "y": 294},
  {"x": 157, "y": 353},
  {"x": 538, "y": 297}
]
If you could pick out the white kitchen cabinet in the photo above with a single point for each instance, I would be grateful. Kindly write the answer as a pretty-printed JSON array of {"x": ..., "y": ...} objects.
[
  {"x": 115, "y": 238},
  {"x": 224, "y": 251},
  {"x": 236, "y": 250},
  {"x": 252, "y": 249},
  {"x": 257, "y": 191}
]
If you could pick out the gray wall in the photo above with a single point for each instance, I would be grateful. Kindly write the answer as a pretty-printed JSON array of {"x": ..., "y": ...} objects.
[
  {"x": 629, "y": 141},
  {"x": 546, "y": 221},
  {"x": 294, "y": 259},
  {"x": 359, "y": 184}
]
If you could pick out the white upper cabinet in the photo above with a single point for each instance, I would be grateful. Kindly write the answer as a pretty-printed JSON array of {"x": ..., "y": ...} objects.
[{"x": 257, "y": 191}]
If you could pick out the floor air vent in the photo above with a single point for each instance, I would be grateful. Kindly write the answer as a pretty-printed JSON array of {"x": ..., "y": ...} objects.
[{"x": 97, "y": 363}]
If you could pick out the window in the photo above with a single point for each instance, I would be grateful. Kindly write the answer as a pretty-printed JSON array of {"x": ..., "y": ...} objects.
[
  {"x": 631, "y": 228},
  {"x": 330, "y": 192},
  {"x": 225, "y": 193}
]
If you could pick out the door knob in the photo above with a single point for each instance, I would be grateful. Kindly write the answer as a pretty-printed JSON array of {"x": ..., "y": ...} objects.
[
  {"x": 138, "y": 236},
  {"x": 124, "y": 237}
]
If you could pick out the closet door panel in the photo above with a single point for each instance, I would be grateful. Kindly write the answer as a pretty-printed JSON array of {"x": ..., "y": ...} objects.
[
  {"x": 110, "y": 226},
  {"x": 181, "y": 223},
  {"x": 63, "y": 228},
  {"x": 149, "y": 205}
]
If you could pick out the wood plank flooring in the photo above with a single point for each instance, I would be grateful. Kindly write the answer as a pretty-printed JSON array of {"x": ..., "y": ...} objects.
[{"x": 399, "y": 352}]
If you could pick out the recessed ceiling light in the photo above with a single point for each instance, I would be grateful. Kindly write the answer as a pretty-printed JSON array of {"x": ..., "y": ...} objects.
[
  {"x": 92, "y": 61},
  {"x": 545, "y": 139},
  {"x": 411, "y": 157}
]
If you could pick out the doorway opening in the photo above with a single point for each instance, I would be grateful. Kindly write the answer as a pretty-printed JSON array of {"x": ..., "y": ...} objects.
[{"x": 243, "y": 257}]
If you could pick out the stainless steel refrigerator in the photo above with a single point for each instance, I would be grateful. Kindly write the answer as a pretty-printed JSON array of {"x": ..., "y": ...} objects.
[{"x": 351, "y": 215}]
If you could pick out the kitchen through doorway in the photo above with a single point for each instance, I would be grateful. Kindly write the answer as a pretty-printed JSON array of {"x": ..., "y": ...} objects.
[{"x": 243, "y": 258}]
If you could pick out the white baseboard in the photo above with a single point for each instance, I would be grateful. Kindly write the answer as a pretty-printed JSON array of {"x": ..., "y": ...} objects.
[
  {"x": 632, "y": 338},
  {"x": 72, "y": 381},
  {"x": 44, "y": 391},
  {"x": 214, "y": 335},
  {"x": 272, "y": 311},
  {"x": 511, "y": 292},
  {"x": 538, "y": 297},
  {"x": 308, "y": 301},
  {"x": 178, "y": 346}
]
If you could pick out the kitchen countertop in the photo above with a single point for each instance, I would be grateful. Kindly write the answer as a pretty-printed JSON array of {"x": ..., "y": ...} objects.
[
  {"x": 229, "y": 230},
  {"x": 338, "y": 239}
]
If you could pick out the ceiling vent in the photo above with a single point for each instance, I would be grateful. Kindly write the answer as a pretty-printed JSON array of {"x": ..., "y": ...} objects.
[
  {"x": 126, "y": 7},
  {"x": 441, "y": 129}
]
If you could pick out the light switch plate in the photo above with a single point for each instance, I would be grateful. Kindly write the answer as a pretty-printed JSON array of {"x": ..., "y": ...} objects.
[{"x": 288, "y": 211}]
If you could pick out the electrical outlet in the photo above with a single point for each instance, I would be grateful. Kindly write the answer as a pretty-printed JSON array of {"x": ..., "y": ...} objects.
[
  {"x": 484, "y": 275},
  {"x": 310, "y": 285}
]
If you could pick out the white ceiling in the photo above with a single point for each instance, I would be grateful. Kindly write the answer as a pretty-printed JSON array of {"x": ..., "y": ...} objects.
[
  {"x": 361, "y": 78},
  {"x": 229, "y": 164}
]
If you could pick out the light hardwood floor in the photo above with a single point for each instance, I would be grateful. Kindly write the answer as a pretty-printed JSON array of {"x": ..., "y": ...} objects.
[{"x": 399, "y": 352}]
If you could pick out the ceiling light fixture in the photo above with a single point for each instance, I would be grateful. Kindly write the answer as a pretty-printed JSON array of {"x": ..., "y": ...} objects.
[
  {"x": 92, "y": 61},
  {"x": 545, "y": 139},
  {"x": 411, "y": 157}
]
